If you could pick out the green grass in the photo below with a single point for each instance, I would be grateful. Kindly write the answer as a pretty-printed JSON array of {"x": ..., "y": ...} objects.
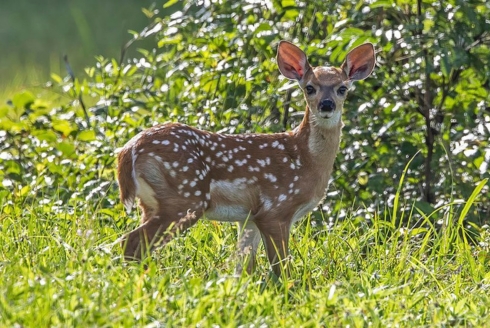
[{"x": 60, "y": 267}]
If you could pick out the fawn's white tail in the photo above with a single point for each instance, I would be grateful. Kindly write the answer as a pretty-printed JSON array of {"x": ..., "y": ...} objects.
[{"x": 266, "y": 182}]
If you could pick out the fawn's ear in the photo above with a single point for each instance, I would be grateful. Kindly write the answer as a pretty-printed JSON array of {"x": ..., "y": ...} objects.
[
  {"x": 292, "y": 61},
  {"x": 359, "y": 62}
]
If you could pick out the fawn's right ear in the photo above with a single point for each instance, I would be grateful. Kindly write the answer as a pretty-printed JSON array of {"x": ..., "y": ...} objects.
[
  {"x": 359, "y": 62},
  {"x": 292, "y": 61}
]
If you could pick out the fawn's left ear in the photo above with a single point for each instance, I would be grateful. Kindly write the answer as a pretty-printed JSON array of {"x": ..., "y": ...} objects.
[
  {"x": 359, "y": 62},
  {"x": 292, "y": 61}
]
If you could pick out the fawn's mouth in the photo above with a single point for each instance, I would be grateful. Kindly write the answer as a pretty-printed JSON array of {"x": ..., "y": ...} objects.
[{"x": 326, "y": 113}]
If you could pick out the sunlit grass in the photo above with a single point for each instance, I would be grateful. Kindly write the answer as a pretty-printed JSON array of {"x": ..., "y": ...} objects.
[{"x": 62, "y": 269}]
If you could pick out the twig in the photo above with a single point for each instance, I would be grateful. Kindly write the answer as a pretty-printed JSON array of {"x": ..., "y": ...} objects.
[
  {"x": 123, "y": 54},
  {"x": 128, "y": 44},
  {"x": 73, "y": 79}
]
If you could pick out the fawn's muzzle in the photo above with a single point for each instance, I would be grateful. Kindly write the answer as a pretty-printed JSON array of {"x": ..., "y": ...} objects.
[{"x": 326, "y": 107}]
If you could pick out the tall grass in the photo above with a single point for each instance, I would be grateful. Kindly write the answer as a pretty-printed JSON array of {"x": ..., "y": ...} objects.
[{"x": 61, "y": 268}]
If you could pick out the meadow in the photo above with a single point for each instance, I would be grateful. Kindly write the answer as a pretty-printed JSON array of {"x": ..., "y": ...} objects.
[
  {"x": 401, "y": 240},
  {"x": 62, "y": 269}
]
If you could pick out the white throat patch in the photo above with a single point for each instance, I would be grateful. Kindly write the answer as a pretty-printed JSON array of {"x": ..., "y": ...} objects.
[{"x": 329, "y": 123}]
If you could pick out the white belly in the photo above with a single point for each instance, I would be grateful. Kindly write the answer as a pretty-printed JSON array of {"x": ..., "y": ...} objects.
[
  {"x": 228, "y": 200},
  {"x": 231, "y": 201},
  {"x": 228, "y": 213}
]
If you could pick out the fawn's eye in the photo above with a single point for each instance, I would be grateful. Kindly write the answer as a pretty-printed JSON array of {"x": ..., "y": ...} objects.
[
  {"x": 310, "y": 90},
  {"x": 341, "y": 91}
]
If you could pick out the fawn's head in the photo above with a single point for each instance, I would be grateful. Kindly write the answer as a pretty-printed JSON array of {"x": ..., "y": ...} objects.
[{"x": 325, "y": 88}]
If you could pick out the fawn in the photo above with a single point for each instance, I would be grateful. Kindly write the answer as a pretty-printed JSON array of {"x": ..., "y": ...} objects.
[{"x": 265, "y": 182}]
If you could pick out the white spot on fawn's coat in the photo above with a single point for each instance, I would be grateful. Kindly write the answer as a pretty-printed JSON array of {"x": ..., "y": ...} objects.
[{"x": 271, "y": 177}]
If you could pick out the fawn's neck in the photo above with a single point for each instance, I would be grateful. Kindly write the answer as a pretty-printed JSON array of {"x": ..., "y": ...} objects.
[
  {"x": 322, "y": 138},
  {"x": 317, "y": 144}
]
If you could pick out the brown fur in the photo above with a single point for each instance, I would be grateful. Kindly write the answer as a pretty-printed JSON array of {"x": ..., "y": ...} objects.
[
  {"x": 264, "y": 181},
  {"x": 126, "y": 183}
]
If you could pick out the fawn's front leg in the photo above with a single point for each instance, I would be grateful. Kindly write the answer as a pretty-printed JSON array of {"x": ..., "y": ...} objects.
[
  {"x": 275, "y": 234},
  {"x": 248, "y": 243}
]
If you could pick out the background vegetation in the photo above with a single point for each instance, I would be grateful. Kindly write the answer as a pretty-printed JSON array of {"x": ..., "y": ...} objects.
[
  {"x": 35, "y": 35},
  {"x": 394, "y": 243}
]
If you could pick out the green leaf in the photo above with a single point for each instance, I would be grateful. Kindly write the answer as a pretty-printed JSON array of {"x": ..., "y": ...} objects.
[
  {"x": 23, "y": 99},
  {"x": 445, "y": 65},
  {"x": 87, "y": 135},
  {"x": 263, "y": 27},
  {"x": 67, "y": 148},
  {"x": 63, "y": 126},
  {"x": 478, "y": 161},
  {"x": 12, "y": 167},
  {"x": 362, "y": 178},
  {"x": 170, "y": 3},
  {"x": 45, "y": 135},
  {"x": 382, "y": 4},
  {"x": 56, "y": 78},
  {"x": 4, "y": 110},
  {"x": 470, "y": 201}
]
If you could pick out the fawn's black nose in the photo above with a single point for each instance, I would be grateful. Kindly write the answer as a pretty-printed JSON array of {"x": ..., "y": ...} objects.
[{"x": 327, "y": 105}]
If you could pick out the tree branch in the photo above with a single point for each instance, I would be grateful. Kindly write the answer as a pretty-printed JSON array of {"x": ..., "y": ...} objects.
[{"x": 425, "y": 104}]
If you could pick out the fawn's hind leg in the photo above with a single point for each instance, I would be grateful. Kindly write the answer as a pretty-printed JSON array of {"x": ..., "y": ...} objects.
[
  {"x": 174, "y": 215},
  {"x": 166, "y": 209}
]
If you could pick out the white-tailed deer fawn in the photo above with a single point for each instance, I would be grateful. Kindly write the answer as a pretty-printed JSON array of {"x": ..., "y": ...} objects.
[{"x": 266, "y": 182}]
